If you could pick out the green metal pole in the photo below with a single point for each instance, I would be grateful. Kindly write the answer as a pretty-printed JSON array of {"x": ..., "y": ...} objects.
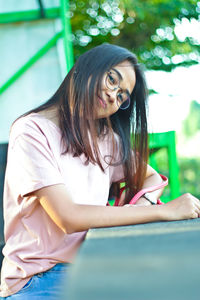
[
  {"x": 173, "y": 166},
  {"x": 28, "y": 15},
  {"x": 67, "y": 33},
  {"x": 30, "y": 62}
]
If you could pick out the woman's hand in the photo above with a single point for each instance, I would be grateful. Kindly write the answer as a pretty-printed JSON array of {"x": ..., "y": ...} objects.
[{"x": 184, "y": 207}]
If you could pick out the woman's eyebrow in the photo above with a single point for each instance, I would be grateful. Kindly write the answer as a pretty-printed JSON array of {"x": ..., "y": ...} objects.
[{"x": 118, "y": 73}]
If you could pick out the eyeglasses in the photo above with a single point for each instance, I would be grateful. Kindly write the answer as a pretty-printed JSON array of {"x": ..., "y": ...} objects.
[{"x": 112, "y": 83}]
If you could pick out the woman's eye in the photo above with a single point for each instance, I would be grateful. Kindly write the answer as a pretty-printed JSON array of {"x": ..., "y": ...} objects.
[
  {"x": 111, "y": 79},
  {"x": 120, "y": 97}
]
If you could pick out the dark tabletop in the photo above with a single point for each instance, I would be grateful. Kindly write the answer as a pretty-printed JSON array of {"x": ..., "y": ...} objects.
[{"x": 155, "y": 261}]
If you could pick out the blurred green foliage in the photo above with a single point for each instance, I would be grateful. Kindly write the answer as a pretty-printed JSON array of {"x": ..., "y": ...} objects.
[
  {"x": 148, "y": 28},
  {"x": 192, "y": 123},
  {"x": 189, "y": 175}
]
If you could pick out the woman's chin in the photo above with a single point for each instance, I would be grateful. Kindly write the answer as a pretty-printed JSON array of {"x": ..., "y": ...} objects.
[{"x": 102, "y": 113}]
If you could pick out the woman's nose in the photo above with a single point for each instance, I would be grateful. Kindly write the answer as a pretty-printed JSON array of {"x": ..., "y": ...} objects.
[{"x": 112, "y": 95}]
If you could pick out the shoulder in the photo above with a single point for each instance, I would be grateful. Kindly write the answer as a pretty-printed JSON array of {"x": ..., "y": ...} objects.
[
  {"x": 24, "y": 125},
  {"x": 32, "y": 125}
]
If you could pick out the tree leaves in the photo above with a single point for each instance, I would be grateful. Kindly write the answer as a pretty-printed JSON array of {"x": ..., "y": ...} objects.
[{"x": 147, "y": 28}]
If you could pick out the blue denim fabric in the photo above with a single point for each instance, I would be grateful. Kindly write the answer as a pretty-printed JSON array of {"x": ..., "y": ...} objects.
[{"x": 46, "y": 285}]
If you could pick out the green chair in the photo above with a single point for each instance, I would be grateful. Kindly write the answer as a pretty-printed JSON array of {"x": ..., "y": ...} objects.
[{"x": 166, "y": 140}]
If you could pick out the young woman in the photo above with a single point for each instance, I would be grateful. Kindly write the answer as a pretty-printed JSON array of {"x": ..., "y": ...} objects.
[{"x": 64, "y": 159}]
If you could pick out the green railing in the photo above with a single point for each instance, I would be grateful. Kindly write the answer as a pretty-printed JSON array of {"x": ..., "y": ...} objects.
[
  {"x": 31, "y": 15},
  {"x": 28, "y": 15}
]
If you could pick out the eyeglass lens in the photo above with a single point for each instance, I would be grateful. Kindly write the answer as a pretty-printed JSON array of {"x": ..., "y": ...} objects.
[{"x": 112, "y": 83}]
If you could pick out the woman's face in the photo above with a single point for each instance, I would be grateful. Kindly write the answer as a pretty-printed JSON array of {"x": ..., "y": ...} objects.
[{"x": 117, "y": 85}]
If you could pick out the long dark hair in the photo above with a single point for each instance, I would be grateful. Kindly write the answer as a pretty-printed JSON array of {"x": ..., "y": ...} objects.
[{"x": 75, "y": 99}]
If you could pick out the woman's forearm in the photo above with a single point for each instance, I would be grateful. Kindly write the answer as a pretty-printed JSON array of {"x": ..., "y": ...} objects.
[
  {"x": 85, "y": 217},
  {"x": 153, "y": 178}
]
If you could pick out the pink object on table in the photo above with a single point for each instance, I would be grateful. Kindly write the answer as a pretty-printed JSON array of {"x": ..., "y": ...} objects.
[
  {"x": 150, "y": 189},
  {"x": 143, "y": 191}
]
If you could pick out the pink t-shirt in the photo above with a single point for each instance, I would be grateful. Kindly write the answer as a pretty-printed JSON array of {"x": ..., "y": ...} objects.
[{"x": 34, "y": 243}]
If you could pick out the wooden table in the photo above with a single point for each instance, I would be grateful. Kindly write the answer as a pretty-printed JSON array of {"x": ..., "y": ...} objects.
[{"x": 155, "y": 261}]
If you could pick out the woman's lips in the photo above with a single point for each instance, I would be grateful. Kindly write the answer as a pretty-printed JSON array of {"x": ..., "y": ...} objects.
[{"x": 102, "y": 102}]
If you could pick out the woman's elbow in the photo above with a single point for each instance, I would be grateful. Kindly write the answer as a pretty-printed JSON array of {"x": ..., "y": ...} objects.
[{"x": 73, "y": 223}]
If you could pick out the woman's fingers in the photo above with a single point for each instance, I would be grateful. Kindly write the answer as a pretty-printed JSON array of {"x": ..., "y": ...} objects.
[
  {"x": 184, "y": 207},
  {"x": 196, "y": 204},
  {"x": 196, "y": 200}
]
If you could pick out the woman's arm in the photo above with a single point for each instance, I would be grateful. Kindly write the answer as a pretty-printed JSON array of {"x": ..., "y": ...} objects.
[
  {"x": 72, "y": 217},
  {"x": 152, "y": 178}
]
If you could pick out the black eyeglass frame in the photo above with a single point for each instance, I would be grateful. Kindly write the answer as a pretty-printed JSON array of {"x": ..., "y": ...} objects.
[{"x": 117, "y": 86}]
